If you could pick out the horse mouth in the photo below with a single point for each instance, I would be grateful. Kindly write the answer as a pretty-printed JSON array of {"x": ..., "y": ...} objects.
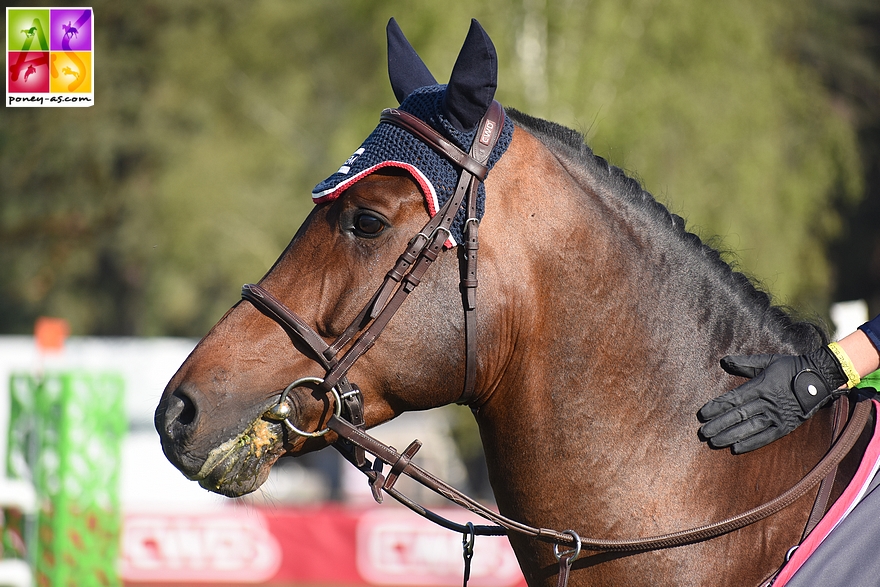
[{"x": 241, "y": 465}]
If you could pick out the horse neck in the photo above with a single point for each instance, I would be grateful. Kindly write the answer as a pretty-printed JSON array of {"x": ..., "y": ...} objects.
[
  {"x": 611, "y": 284},
  {"x": 612, "y": 339}
]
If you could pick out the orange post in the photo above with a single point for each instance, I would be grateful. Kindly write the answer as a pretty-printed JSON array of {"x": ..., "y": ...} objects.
[{"x": 50, "y": 333}]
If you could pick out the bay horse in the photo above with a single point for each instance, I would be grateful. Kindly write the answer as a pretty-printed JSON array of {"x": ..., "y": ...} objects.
[{"x": 601, "y": 323}]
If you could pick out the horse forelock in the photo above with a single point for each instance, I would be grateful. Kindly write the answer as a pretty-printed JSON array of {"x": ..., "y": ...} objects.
[{"x": 776, "y": 321}]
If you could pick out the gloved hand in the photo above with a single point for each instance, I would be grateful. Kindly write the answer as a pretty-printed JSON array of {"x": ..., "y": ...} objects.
[{"x": 783, "y": 393}]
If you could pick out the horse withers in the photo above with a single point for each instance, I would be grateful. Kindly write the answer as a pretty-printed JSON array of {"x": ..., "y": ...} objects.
[{"x": 590, "y": 343}]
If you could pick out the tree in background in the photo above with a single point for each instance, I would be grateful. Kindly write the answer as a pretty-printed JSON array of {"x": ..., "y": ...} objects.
[
  {"x": 843, "y": 46},
  {"x": 145, "y": 213}
]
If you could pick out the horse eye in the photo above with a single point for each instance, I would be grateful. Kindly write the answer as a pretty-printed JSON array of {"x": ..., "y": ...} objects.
[{"x": 368, "y": 225}]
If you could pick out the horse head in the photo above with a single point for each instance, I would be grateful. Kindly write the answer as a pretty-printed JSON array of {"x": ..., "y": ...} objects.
[{"x": 212, "y": 417}]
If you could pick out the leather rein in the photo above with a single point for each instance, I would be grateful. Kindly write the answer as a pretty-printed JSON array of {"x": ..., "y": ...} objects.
[{"x": 347, "y": 421}]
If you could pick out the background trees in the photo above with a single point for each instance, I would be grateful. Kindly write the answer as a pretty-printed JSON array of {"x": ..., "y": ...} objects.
[{"x": 756, "y": 121}]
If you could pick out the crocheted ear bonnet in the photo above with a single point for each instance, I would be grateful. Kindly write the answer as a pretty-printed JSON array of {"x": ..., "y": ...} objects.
[{"x": 391, "y": 146}]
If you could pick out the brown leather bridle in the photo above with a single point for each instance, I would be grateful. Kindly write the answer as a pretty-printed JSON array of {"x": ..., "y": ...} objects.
[
  {"x": 348, "y": 420},
  {"x": 422, "y": 250}
]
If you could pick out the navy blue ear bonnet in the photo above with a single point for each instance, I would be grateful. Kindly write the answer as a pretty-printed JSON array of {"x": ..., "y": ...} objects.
[{"x": 392, "y": 146}]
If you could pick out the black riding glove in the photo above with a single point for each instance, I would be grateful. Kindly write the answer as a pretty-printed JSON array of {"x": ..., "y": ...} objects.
[{"x": 783, "y": 393}]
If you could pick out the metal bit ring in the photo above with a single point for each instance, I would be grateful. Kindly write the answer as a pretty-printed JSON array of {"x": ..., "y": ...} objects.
[
  {"x": 575, "y": 552},
  {"x": 337, "y": 410}
]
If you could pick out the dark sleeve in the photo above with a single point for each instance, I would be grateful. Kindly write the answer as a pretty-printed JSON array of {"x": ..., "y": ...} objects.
[{"x": 872, "y": 329}]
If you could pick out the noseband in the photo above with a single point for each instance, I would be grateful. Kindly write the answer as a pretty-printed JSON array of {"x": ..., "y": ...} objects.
[{"x": 347, "y": 421}]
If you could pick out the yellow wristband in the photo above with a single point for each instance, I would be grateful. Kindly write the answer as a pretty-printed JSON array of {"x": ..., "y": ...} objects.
[{"x": 846, "y": 364}]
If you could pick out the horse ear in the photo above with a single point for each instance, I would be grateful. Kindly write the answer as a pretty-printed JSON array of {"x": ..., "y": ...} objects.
[
  {"x": 474, "y": 78},
  {"x": 406, "y": 69}
]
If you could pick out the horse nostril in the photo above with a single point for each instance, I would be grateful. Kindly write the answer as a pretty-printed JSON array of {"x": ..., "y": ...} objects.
[{"x": 180, "y": 411}]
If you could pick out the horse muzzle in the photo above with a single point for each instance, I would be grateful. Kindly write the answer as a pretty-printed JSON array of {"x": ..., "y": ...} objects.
[{"x": 233, "y": 464}]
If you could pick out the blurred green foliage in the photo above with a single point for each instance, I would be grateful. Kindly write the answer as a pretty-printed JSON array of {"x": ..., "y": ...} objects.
[{"x": 144, "y": 214}]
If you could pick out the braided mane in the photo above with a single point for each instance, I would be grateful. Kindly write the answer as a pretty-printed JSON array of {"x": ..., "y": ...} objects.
[{"x": 569, "y": 146}]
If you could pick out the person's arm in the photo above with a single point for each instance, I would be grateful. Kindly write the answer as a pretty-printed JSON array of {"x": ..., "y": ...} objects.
[
  {"x": 863, "y": 346},
  {"x": 861, "y": 351},
  {"x": 784, "y": 390}
]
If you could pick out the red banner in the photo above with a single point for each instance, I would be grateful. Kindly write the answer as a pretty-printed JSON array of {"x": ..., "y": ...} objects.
[{"x": 328, "y": 544}]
